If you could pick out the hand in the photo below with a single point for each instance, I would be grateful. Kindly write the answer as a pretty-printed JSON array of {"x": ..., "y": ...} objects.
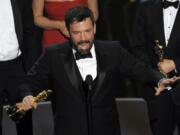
[
  {"x": 29, "y": 103},
  {"x": 63, "y": 29},
  {"x": 164, "y": 83},
  {"x": 166, "y": 66}
]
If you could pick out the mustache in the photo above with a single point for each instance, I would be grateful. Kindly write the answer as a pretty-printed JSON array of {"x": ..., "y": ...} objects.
[{"x": 83, "y": 41}]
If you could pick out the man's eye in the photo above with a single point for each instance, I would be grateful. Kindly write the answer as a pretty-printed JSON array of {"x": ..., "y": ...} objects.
[{"x": 76, "y": 32}]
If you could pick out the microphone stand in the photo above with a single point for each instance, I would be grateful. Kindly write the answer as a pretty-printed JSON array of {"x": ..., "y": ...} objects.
[{"x": 88, "y": 92}]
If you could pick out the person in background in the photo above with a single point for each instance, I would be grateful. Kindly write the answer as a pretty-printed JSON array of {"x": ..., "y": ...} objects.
[
  {"x": 85, "y": 75},
  {"x": 158, "y": 22},
  {"x": 17, "y": 54},
  {"x": 49, "y": 15}
]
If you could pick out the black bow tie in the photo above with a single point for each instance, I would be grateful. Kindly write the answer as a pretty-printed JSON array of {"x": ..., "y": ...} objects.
[
  {"x": 166, "y": 4},
  {"x": 82, "y": 56}
]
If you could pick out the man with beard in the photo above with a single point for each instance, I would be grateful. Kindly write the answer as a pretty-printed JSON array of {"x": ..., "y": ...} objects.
[{"x": 85, "y": 75}]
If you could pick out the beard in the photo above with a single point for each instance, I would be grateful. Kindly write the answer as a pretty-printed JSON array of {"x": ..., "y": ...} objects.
[{"x": 80, "y": 44}]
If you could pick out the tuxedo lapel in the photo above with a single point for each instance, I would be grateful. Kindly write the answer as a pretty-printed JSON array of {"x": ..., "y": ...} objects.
[
  {"x": 72, "y": 71},
  {"x": 175, "y": 30},
  {"x": 158, "y": 22},
  {"x": 74, "y": 74},
  {"x": 101, "y": 69}
]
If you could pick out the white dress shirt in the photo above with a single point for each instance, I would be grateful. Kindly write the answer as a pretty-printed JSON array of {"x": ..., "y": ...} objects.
[
  {"x": 169, "y": 18},
  {"x": 88, "y": 66},
  {"x": 9, "y": 47}
]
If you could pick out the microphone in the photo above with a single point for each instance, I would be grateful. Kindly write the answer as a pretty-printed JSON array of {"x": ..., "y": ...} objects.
[{"x": 88, "y": 82}]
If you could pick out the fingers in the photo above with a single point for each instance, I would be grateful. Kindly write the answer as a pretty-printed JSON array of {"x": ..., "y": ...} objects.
[
  {"x": 166, "y": 65},
  {"x": 29, "y": 103},
  {"x": 175, "y": 78},
  {"x": 63, "y": 29},
  {"x": 164, "y": 83},
  {"x": 65, "y": 33},
  {"x": 158, "y": 91}
]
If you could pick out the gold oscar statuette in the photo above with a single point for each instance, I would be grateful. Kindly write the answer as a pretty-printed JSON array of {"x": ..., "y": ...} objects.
[
  {"x": 17, "y": 112},
  {"x": 159, "y": 50}
]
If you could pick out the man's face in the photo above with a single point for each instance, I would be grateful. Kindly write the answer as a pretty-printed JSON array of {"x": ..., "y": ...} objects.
[{"x": 82, "y": 35}]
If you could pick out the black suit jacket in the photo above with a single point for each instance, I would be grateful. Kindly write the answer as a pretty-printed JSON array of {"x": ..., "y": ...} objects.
[
  {"x": 58, "y": 65},
  {"x": 24, "y": 27},
  {"x": 149, "y": 27}
]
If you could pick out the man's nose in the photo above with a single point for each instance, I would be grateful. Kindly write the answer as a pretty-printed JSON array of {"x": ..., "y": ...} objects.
[{"x": 83, "y": 36}]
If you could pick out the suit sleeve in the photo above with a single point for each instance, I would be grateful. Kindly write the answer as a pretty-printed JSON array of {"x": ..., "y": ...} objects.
[
  {"x": 37, "y": 78},
  {"x": 132, "y": 67}
]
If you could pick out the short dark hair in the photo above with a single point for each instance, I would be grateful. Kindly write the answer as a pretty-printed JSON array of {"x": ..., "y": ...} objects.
[{"x": 78, "y": 13}]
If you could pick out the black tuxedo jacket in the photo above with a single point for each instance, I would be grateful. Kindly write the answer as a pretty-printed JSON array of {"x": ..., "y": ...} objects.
[
  {"x": 24, "y": 27},
  {"x": 58, "y": 64},
  {"x": 149, "y": 27}
]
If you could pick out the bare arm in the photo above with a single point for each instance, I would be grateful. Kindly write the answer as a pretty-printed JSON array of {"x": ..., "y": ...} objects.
[
  {"x": 44, "y": 22},
  {"x": 93, "y": 5}
]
